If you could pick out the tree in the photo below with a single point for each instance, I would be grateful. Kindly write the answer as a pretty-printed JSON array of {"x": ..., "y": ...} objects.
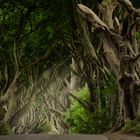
[
  {"x": 29, "y": 45},
  {"x": 121, "y": 49}
]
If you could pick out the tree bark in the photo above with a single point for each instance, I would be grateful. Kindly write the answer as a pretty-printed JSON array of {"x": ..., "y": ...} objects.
[{"x": 120, "y": 52}]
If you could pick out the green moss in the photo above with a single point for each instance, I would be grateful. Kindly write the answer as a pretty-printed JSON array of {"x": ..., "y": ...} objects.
[
  {"x": 132, "y": 127},
  {"x": 136, "y": 129},
  {"x": 45, "y": 127},
  {"x": 5, "y": 129},
  {"x": 127, "y": 127}
]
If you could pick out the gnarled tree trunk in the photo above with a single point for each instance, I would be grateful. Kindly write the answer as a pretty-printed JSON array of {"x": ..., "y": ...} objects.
[{"x": 121, "y": 49}]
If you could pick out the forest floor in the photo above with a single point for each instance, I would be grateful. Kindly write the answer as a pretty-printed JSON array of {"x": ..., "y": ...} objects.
[{"x": 120, "y": 136}]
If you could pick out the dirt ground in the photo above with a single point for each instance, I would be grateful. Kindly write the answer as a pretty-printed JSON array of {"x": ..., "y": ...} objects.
[
  {"x": 109, "y": 136},
  {"x": 119, "y": 136},
  {"x": 54, "y": 137}
]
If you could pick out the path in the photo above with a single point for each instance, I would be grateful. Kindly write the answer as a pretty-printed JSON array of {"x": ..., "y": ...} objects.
[
  {"x": 119, "y": 136},
  {"x": 112, "y": 136},
  {"x": 54, "y": 137}
]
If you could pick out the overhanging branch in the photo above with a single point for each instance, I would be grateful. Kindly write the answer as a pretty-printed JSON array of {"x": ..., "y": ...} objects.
[
  {"x": 89, "y": 15},
  {"x": 127, "y": 4}
]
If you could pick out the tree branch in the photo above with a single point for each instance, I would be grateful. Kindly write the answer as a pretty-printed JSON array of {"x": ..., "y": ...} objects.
[
  {"x": 127, "y": 4},
  {"x": 7, "y": 95},
  {"x": 6, "y": 74},
  {"x": 46, "y": 55},
  {"x": 135, "y": 59},
  {"x": 78, "y": 100},
  {"x": 89, "y": 15}
]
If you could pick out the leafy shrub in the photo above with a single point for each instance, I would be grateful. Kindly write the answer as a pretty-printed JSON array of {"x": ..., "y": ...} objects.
[{"x": 81, "y": 121}]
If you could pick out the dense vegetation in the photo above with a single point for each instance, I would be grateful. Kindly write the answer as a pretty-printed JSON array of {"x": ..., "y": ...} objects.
[{"x": 63, "y": 70}]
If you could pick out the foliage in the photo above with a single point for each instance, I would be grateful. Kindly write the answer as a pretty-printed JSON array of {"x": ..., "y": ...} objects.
[
  {"x": 136, "y": 129},
  {"x": 76, "y": 116},
  {"x": 128, "y": 125},
  {"x": 45, "y": 34},
  {"x": 5, "y": 129},
  {"x": 132, "y": 127},
  {"x": 44, "y": 128},
  {"x": 81, "y": 121},
  {"x": 29, "y": 34}
]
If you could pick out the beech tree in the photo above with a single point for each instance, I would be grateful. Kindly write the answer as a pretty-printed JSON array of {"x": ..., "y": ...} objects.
[
  {"x": 51, "y": 50},
  {"x": 27, "y": 48},
  {"x": 121, "y": 49}
]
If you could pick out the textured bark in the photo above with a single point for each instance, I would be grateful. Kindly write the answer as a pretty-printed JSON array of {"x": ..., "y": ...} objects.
[
  {"x": 87, "y": 57},
  {"x": 22, "y": 112},
  {"x": 120, "y": 51},
  {"x": 106, "y": 8},
  {"x": 11, "y": 88},
  {"x": 74, "y": 78}
]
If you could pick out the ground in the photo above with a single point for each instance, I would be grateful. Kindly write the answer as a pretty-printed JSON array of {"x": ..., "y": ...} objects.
[
  {"x": 119, "y": 136},
  {"x": 108, "y": 136}
]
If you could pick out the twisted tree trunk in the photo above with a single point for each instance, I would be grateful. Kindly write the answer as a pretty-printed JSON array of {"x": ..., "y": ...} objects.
[{"x": 121, "y": 50}]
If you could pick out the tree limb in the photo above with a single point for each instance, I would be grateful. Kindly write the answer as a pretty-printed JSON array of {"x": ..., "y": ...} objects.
[
  {"x": 85, "y": 105},
  {"x": 89, "y": 15},
  {"x": 127, "y": 4},
  {"x": 135, "y": 59}
]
